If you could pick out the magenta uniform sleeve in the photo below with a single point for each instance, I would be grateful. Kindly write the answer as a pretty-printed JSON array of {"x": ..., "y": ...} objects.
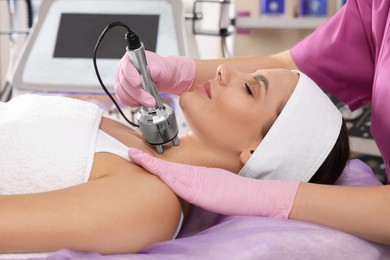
[
  {"x": 349, "y": 56},
  {"x": 339, "y": 56}
]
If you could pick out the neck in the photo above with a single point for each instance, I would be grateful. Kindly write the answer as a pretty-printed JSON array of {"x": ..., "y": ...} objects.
[
  {"x": 195, "y": 152},
  {"x": 192, "y": 149}
]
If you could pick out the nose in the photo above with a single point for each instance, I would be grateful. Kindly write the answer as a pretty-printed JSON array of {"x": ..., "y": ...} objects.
[{"x": 223, "y": 74}]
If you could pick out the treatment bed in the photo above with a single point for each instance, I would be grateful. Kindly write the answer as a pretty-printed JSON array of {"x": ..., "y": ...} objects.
[{"x": 206, "y": 235}]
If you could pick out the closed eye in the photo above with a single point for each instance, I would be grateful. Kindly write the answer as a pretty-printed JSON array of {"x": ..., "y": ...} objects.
[{"x": 248, "y": 89}]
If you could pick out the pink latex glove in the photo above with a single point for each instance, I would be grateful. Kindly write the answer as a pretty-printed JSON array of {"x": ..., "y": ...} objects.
[
  {"x": 221, "y": 191},
  {"x": 172, "y": 74}
]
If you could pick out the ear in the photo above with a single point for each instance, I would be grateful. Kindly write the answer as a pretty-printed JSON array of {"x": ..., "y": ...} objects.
[{"x": 246, "y": 154}]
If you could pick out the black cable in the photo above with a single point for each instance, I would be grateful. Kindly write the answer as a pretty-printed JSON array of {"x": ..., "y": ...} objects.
[
  {"x": 224, "y": 47},
  {"x": 29, "y": 13},
  {"x": 108, "y": 27}
]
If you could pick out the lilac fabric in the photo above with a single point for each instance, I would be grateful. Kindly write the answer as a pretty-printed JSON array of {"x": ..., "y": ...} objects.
[
  {"x": 349, "y": 56},
  {"x": 206, "y": 235}
]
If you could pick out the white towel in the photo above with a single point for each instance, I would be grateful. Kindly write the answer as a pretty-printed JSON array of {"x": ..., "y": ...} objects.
[{"x": 47, "y": 143}]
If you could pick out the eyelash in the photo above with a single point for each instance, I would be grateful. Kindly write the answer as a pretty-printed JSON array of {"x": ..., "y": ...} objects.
[{"x": 248, "y": 89}]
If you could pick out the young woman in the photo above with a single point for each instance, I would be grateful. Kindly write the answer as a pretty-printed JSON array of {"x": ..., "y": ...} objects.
[
  {"x": 328, "y": 56},
  {"x": 67, "y": 182}
]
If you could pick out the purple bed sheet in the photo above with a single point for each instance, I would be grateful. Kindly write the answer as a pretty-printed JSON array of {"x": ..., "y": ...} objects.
[{"x": 206, "y": 235}]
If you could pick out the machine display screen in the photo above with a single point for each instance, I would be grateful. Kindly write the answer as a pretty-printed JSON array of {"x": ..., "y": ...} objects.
[{"x": 80, "y": 43}]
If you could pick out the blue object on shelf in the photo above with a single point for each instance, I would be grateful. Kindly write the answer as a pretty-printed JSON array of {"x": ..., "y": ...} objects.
[
  {"x": 313, "y": 7},
  {"x": 341, "y": 3},
  {"x": 272, "y": 7}
]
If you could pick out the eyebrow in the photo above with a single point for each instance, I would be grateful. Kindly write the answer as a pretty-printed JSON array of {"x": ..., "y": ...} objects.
[{"x": 264, "y": 80}]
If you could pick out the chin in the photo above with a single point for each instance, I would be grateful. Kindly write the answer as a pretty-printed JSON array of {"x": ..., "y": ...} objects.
[
  {"x": 187, "y": 103},
  {"x": 185, "y": 98}
]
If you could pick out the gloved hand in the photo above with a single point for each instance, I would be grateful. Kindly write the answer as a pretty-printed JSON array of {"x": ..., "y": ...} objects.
[
  {"x": 172, "y": 74},
  {"x": 221, "y": 191}
]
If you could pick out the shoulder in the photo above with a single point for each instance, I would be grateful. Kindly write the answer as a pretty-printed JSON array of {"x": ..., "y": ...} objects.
[
  {"x": 131, "y": 177},
  {"x": 141, "y": 196}
]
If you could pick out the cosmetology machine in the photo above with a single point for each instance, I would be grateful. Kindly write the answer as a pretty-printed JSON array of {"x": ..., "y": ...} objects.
[{"x": 57, "y": 55}]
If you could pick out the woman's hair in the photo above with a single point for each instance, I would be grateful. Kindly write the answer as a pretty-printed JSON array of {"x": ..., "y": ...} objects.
[{"x": 334, "y": 164}]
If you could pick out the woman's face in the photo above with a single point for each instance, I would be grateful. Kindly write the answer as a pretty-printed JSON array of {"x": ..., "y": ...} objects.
[{"x": 233, "y": 110}]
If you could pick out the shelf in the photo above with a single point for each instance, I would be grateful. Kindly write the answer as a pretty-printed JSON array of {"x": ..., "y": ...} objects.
[{"x": 280, "y": 22}]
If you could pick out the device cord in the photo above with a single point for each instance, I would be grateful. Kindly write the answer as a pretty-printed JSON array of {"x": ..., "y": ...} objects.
[
  {"x": 108, "y": 27},
  {"x": 29, "y": 10}
]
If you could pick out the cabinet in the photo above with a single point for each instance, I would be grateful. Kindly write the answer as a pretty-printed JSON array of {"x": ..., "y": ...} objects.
[{"x": 267, "y": 34}]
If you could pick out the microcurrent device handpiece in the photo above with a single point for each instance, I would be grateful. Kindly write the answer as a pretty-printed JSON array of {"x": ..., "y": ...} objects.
[{"x": 158, "y": 124}]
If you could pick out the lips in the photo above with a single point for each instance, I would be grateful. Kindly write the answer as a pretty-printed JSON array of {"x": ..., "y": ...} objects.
[{"x": 205, "y": 89}]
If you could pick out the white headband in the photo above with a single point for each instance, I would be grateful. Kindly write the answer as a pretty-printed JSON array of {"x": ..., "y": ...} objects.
[{"x": 300, "y": 139}]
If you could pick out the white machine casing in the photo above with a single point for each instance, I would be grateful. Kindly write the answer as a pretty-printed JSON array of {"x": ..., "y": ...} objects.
[{"x": 37, "y": 69}]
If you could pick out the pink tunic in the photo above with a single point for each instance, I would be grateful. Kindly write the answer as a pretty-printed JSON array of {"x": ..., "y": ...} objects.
[{"x": 349, "y": 56}]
